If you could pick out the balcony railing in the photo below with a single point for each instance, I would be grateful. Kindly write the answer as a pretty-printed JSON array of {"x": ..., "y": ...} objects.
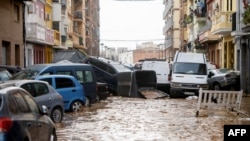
[
  {"x": 169, "y": 43},
  {"x": 222, "y": 23},
  {"x": 169, "y": 23},
  {"x": 39, "y": 34}
]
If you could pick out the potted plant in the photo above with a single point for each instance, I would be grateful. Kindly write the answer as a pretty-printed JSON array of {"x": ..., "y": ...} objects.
[{"x": 246, "y": 16}]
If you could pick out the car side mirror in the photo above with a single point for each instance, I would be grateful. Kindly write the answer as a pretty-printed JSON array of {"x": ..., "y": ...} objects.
[
  {"x": 210, "y": 74},
  {"x": 45, "y": 110}
]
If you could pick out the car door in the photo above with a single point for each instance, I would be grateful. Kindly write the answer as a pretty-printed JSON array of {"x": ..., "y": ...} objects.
[
  {"x": 41, "y": 123},
  {"x": 25, "y": 116},
  {"x": 67, "y": 88},
  {"x": 40, "y": 92}
]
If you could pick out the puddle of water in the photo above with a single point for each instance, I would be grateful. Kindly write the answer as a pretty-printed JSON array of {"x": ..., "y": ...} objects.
[{"x": 134, "y": 119}]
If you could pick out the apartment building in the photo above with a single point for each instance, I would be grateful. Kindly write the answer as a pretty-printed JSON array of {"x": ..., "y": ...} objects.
[
  {"x": 12, "y": 35},
  {"x": 42, "y": 27},
  {"x": 240, "y": 32},
  {"x": 171, "y": 30}
]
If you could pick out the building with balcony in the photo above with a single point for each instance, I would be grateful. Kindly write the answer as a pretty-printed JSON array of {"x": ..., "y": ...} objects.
[
  {"x": 38, "y": 37},
  {"x": 221, "y": 17},
  {"x": 92, "y": 27},
  {"x": 241, "y": 32},
  {"x": 12, "y": 35},
  {"x": 171, "y": 30}
]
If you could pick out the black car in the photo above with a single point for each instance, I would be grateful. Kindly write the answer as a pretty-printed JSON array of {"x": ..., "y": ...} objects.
[
  {"x": 21, "y": 118},
  {"x": 11, "y": 69},
  {"x": 106, "y": 71}
]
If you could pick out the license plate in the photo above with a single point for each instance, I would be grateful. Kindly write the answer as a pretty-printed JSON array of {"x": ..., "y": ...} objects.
[{"x": 189, "y": 93}]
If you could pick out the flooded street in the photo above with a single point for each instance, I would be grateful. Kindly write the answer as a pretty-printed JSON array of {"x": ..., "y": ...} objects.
[{"x": 136, "y": 119}]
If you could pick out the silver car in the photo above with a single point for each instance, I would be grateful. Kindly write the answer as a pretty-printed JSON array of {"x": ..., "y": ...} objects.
[
  {"x": 223, "y": 79},
  {"x": 43, "y": 94}
]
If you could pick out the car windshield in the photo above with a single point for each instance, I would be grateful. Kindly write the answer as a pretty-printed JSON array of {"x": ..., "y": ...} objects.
[
  {"x": 220, "y": 71},
  {"x": 189, "y": 68},
  {"x": 24, "y": 74}
]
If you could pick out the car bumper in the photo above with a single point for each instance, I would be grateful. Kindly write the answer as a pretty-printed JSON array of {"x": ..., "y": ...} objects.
[{"x": 103, "y": 95}]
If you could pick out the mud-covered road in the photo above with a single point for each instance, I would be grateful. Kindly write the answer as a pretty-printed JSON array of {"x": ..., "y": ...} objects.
[{"x": 136, "y": 119}]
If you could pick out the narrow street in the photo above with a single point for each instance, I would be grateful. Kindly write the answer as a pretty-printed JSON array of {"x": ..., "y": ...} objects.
[{"x": 135, "y": 119}]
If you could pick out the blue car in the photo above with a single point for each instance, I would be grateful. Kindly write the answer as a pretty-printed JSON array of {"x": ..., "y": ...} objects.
[{"x": 69, "y": 88}]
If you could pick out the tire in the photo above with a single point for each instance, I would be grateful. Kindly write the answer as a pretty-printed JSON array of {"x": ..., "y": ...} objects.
[
  {"x": 172, "y": 93},
  {"x": 53, "y": 136},
  {"x": 217, "y": 86},
  {"x": 87, "y": 102},
  {"x": 56, "y": 115},
  {"x": 76, "y": 106}
]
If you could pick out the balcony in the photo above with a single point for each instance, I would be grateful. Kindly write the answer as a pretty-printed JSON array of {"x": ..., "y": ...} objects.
[
  {"x": 222, "y": 23},
  {"x": 56, "y": 38},
  {"x": 169, "y": 43},
  {"x": 78, "y": 16},
  {"x": 168, "y": 25},
  {"x": 207, "y": 36},
  {"x": 38, "y": 34},
  {"x": 78, "y": 42},
  {"x": 168, "y": 6}
]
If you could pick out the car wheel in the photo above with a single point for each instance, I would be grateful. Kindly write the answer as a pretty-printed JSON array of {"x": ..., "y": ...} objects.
[
  {"x": 87, "y": 102},
  {"x": 76, "y": 106},
  {"x": 217, "y": 86},
  {"x": 57, "y": 115},
  {"x": 53, "y": 136}
]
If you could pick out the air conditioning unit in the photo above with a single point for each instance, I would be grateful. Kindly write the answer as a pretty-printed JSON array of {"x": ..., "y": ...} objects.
[{"x": 30, "y": 9}]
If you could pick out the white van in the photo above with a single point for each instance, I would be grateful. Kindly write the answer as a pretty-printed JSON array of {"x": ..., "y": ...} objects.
[
  {"x": 188, "y": 74},
  {"x": 162, "y": 70}
]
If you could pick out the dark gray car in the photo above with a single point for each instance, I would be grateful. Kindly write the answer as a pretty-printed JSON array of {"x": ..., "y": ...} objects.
[
  {"x": 21, "y": 119},
  {"x": 44, "y": 94},
  {"x": 223, "y": 79}
]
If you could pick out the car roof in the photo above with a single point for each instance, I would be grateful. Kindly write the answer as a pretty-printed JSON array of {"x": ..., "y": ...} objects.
[
  {"x": 4, "y": 90},
  {"x": 55, "y": 75},
  {"x": 19, "y": 82}
]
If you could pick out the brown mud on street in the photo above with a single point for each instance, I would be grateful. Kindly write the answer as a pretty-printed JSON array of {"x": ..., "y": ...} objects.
[{"x": 136, "y": 119}]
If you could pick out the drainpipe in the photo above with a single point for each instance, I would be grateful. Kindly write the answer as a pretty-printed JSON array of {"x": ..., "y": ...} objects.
[{"x": 241, "y": 45}]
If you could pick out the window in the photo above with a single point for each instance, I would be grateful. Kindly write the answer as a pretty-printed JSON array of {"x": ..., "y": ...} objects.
[
  {"x": 49, "y": 80},
  {"x": 41, "y": 89},
  {"x": 28, "y": 88},
  {"x": 31, "y": 103},
  {"x": 64, "y": 83},
  {"x": 12, "y": 105},
  {"x": 64, "y": 72},
  {"x": 84, "y": 76},
  {"x": 21, "y": 104},
  {"x": 17, "y": 13}
]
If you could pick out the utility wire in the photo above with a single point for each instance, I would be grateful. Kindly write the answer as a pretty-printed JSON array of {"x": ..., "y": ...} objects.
[{"x": 132, "y": 40}]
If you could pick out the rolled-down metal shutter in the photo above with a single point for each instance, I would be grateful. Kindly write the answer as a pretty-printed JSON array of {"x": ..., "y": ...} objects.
[{"x": 4, "y": 56}]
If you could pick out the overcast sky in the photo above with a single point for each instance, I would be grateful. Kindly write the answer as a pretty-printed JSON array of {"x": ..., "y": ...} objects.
[{"x": 127, "y": 23}]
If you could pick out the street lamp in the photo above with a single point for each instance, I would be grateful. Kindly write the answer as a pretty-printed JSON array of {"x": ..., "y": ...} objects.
[
  {"x": 101, "y": 53},
  {"x": 105, "y": 47}
]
